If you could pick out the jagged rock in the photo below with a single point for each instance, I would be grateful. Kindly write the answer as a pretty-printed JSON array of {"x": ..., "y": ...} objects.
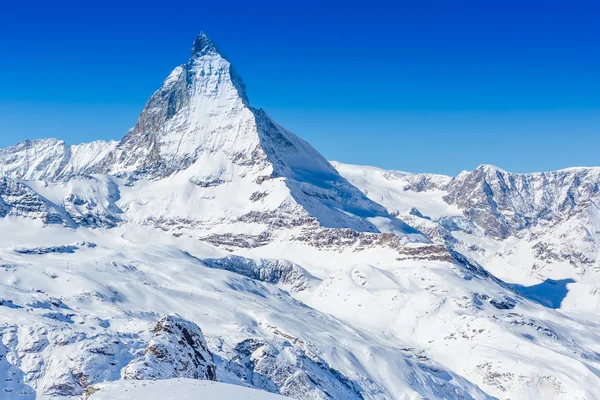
[
  {"x": 503, "y": 203},
  {"x": 415, "y": 211},
  {"x": 46, "y": 250},
  {"x": 279, "y": 272},
  {"x": 239, "y": 240},
  {"x": 67, "y": 248},
  {"x": 19, "y": 200},
  {"x": 177, "y": 349},
  {"x": 290, "y": 371}
]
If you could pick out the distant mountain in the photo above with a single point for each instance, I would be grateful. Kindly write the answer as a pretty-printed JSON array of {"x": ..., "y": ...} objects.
[
  {"x": 53, "y": 159},
  {"x": 520, "y": 226},
  {"x": 212, "y": 244}
]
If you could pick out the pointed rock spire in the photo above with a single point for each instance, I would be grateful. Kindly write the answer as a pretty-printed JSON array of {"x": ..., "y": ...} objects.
[{"x": 203, "y": 45}]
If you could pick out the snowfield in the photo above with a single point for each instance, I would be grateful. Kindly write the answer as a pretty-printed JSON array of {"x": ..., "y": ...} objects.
[
  {"x": 181, "y": 389},
  {"x": 211, "y": 252}
]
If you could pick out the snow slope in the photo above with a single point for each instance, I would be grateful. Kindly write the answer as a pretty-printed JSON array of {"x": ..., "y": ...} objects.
[
  {"x": 182, "y": 389},
  {"x": 399, "y": 191},
  {"x": 71, "y": 319},
  {"x": 383, "y": 323}
]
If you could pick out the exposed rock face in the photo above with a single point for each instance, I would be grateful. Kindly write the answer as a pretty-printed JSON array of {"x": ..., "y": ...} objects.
[
  {"x": 177, "y": 350},
  {"x": 436, "y": 231},
  {"x": 425, "y": 182},
  {"x": 558, "y": 212},
  {"x": 88, "y": 202},
  {"x": 91, "y": 202},
  {"x": 504, "y": 203},
  {"x": 18, "y": 200},
  {"x": 55, "y": 359},
  {"x": 201, "y": 107},
  {"x": 280, "y": 272},
  {"x": 67, "y": 248},
  {"x": 290, "y": 371}
]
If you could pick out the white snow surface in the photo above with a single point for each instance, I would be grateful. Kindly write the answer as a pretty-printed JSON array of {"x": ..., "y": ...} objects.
[
  {"x": 280, "y": 271},
  {"x": 389, "y": 188},
  {"x": 180, "y": 389}
]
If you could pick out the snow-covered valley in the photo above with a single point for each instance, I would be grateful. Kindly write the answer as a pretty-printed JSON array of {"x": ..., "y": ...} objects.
[{"x": 212, "y": 244}]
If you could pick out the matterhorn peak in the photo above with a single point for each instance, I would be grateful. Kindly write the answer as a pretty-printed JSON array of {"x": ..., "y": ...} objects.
[
  {"x": 198, "y": 133},
  {"x": 203, "y": 45}
]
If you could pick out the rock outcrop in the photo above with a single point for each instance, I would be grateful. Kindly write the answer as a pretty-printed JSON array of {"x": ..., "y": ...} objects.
[{"x": 177, "y": 350}]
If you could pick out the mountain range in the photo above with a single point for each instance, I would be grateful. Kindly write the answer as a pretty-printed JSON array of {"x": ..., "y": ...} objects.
[{"x": 210, "y": 243}]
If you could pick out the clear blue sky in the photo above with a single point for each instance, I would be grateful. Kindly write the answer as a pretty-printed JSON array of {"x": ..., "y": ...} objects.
[{"x": 412, "y": 85}]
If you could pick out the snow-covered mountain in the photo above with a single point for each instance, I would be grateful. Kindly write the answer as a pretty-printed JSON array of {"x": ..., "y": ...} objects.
[
  {"x": 199, "y": 145},
  {"x": 52, "y": 159},
  {"x": 525, "y": 228},
  {"x": 210, "y": 243}
]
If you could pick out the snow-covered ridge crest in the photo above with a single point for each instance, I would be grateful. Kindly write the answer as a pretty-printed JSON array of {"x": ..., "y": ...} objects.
[
  {"x": 505, "y": 203},
  {"x": 53, "y": 159},
  {"x": 502, "y": 203}
]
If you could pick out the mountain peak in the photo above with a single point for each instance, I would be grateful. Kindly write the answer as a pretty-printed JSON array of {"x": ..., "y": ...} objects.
[
  {"x": 489, "y": 169},
  {"x": 203, "y": 45}
]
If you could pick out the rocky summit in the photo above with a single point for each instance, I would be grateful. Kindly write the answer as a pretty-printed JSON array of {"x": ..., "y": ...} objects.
[{"x": 210, "y": 244}]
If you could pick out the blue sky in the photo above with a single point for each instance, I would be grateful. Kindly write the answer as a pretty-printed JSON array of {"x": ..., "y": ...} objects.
[{"x": 431, "y": 86}]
